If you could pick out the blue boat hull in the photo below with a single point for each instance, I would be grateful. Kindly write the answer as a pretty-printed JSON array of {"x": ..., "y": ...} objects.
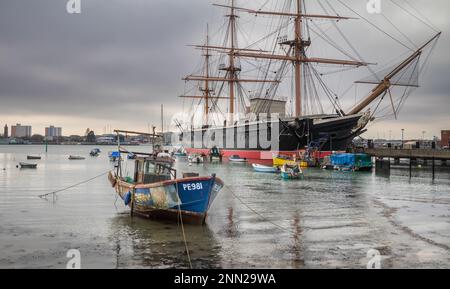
[{"x": 190, "y": 198}]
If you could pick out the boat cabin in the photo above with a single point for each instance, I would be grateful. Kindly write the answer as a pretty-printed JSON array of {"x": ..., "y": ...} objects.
[{"x": 148, "y": 170}]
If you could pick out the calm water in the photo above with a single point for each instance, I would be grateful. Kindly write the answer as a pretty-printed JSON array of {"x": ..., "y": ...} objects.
[{"x": 328, "y": 219}]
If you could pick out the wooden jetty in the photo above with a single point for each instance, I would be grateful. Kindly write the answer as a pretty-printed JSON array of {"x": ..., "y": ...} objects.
[
  {"x": 413, "y": 155},
  {"x": 424, "y": 154}
]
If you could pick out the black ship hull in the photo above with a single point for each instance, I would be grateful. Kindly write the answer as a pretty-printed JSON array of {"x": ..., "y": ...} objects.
[{"x": 324, "y": 133}]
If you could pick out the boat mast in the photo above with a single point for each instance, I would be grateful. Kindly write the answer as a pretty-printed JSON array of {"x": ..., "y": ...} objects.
[
  {"x": 298, "y": 63},
  {"x": 386, "y": 84},
  {"x": 298, "y": 44},
  {"x": 207, "y": 91},
  {"x": 232, "y": 69}
]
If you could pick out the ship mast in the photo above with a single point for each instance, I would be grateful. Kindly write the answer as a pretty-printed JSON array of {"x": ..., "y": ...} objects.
[
  {"x": 298, "y": 44},
  {"x": 385, "y": 84},
  {"x": 206, "y": 90},
  {"x": 298, "y": 63},
  {"x": 232, "y": 69}
]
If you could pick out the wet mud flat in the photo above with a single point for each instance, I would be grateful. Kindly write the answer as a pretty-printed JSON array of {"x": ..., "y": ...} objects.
[{"x": 326, "y": 220}]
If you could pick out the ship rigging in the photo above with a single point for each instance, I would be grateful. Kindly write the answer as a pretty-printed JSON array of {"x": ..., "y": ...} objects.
[{"x": 275, "y": 58}]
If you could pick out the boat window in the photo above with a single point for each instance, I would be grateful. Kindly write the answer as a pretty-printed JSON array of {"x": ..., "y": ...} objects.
[{"x": 149, "y": 168}]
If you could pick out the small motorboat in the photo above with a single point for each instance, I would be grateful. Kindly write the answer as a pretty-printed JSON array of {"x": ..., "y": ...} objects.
[
  {"x": 281, "y": 160},
  {"x": 180, "y": 153},
  {"x": 264, "y": 169},
  {"x": 113, "y": 156},
  {"x": 33, "y": 157},
  {"x": 237, "y": 159},
  {"x": 196, "y": 159},
  {"x": 95, "y": 152},
  {"x": 76, "y": 158},
  {"x": 215, "y": 155},
  {"x": 27, "y": 166},
  {"x": 291, "y": 172},
  {"x": 131, "y": 156}
]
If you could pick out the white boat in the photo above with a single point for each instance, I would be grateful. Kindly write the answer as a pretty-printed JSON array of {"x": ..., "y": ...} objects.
[
  {"x": 264, "y": 169},
  {"x": 196, "y": 159},
  {"x": 237, "y": 159}
]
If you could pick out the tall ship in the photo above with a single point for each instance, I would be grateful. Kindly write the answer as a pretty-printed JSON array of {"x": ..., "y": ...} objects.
[{"x": 272, "y": 88}]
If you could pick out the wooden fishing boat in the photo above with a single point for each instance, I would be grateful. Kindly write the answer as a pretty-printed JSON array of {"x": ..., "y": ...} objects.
[
  {"x": 27, "y": 166},
  {"x": 264, "y": 169},
  {"x": 156, "y": 192},
  {"x": 291, "y": 172},
  {"x": 76, "y": 158},
  {"x": 33, "y": 157},
  {"x": 237, "y": 159}
]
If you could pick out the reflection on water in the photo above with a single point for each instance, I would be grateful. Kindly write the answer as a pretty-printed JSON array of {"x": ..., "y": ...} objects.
[
  {"x": 145, "y": 243},
  {"x": 328, "y": 219}
]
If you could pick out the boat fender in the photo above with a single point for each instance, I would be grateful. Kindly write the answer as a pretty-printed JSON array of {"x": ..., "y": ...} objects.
[{"x": 127, "y": 198}]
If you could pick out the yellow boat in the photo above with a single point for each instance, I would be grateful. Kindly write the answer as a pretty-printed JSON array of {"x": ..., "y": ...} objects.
[{"x": 279, "y": 161}]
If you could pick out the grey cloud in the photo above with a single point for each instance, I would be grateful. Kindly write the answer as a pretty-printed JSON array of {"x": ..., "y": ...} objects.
[{"x": 121, "y": 58}]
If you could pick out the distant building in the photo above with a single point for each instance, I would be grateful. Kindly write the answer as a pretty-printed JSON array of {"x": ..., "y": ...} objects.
[
  {"x": 5, "y": 131},
  {"x": 53, "y": 132},
  {"x": 445, "y": 138},
  {"x": 20, "y": 131}
]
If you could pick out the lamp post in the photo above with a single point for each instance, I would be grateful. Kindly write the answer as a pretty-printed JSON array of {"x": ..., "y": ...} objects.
[{"x": 403, "y": 135}]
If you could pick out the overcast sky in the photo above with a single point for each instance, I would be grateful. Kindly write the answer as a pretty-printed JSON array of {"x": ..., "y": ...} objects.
[{"x": 116, "y": 62}]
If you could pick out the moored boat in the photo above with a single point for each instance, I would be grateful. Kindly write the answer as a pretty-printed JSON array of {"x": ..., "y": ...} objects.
[
  {"x": 196, "y": 159},
  {"x": 94, "y": 152},
  {"x": 296, "y": 65},
  {"x": 76, "y": 158},
  {"x": 264, "y": 169},
  {"x": 156, "y": 192},
  {"x": 291, "y": 172},
  {"x": 113, "y": 156},
  {"x": 281, "y": 160},
  {"x": 351, "y": 162},
  {"x": 237, "y": 159},
  {"x": 215, "y": 154},
  {"x": 33, "y": 157},
  {"x": 27, "y": 166}
]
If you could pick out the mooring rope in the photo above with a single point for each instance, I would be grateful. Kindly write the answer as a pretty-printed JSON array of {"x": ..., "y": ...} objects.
[
  {"x": 257, "y": 213},
  {"x": 182, "y": 228},
  {"x": 44, "y": 196}
]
